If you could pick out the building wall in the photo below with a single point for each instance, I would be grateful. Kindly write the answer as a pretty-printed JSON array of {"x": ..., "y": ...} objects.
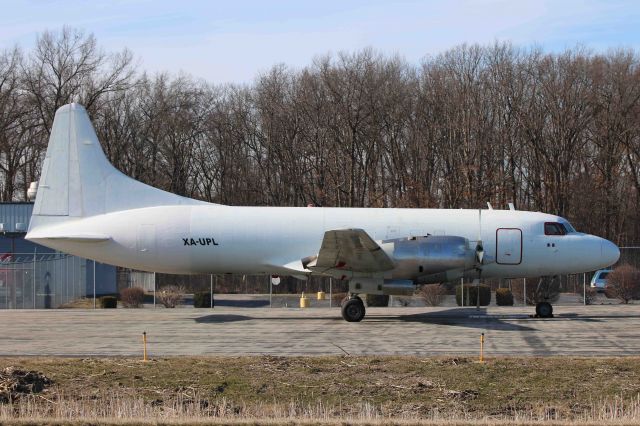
[{"x": 33, "y": 276}]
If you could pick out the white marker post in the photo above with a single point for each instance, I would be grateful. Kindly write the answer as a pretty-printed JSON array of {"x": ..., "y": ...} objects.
[{"x": 275, "y": 280}]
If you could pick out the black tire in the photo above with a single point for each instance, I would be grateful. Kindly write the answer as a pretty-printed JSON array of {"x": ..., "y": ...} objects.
[
  {"x": 544, "y": 310},
  {"x": 353, "y": 310}
]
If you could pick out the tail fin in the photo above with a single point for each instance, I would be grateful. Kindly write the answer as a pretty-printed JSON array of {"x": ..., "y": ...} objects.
[{"x": 78, "y": 181}]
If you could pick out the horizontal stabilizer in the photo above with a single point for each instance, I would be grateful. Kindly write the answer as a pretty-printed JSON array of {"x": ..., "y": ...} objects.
[{"x": 80, "y": 238}]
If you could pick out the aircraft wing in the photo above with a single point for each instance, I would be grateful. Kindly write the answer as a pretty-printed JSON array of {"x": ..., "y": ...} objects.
[{"x": 349, "y": 250}]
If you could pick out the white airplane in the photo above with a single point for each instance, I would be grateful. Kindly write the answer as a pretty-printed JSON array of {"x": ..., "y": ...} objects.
[{"x": 86, "y": 207}]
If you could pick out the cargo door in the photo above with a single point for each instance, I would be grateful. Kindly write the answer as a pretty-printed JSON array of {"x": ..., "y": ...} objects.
[{"x": 508, "y": 246}]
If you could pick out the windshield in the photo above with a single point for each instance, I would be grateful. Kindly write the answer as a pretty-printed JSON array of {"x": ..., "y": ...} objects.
[
  {"x": 568, "y": 227},
  {"x": 554, "y": 228}
]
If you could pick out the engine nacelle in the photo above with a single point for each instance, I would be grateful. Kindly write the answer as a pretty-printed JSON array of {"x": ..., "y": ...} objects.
[{"x": 433, "y": 255}]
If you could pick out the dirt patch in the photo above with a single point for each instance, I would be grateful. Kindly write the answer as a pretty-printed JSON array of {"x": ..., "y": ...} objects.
[{"x": 15, "y": 382}]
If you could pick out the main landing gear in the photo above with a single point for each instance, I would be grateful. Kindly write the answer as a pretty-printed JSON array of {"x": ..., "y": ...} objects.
[
  {"x": 544, "y": 310},
  {"x": 353, "y": 309}
]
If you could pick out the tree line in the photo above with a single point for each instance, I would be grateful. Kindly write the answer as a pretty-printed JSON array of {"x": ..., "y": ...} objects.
[{"x": 552, "y": 132}]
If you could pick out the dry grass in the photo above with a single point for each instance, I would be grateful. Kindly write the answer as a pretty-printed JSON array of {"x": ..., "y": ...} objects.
[{"x": 375, "y": 390}]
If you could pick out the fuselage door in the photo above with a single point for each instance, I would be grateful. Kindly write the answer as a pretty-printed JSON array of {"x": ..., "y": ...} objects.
[{"x": 508, "y": 246}]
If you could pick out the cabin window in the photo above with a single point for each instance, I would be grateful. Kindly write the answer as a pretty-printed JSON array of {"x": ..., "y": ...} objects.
[{"x": 554, "y": 228}]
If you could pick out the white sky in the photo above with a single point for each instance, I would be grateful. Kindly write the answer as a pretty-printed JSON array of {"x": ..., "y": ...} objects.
[{"x": 232, "y": 41}]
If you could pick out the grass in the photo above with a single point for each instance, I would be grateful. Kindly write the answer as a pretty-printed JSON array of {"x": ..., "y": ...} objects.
[{"x": 333, "y": 389}]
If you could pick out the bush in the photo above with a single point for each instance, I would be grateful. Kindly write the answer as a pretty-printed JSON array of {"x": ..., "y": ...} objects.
[
  {"x": 403, "y": 301},
  {"x": 379, "y": 300},
  {"x": 623, "y": 283},
  {"x": 504, "y": 297},
  {"x": 432, "y": 294},
  {"x": 202, "y": 300},
  {"x": 590, "y": 295},
  {"x": 132, "y": 297},
  {"x": 108, "y": 302},
  {"x": 471, "y": 295},
  {"x": 337, "y": 298},
  {"x": 171, "y": 296}
]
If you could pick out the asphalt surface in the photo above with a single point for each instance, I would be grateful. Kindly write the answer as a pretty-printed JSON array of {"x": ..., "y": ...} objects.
[{"x": 609, "y": 330}]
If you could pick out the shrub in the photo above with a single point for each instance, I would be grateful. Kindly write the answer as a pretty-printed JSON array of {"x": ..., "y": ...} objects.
[
  {"x": 403, "y": 301},
  {"x": 202, "y": 300},
  {"x": 432, "y": 294},
  {"x": 590, "y": 295},
  {"x": 379, "y": 300},
  {"x": 132, "y": 297},
  {"x": 623, "y": 283},
  {"x": 108, "y": 302},
  {"x": 504, "y": 297},
  {"x": 471, "y": 295},
  {"x": 170, "y": 296},
  {"x": 337, "y": 298}
]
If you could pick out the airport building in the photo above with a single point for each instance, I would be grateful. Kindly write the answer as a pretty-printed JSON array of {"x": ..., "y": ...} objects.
[{"x": 33, "y": 276}]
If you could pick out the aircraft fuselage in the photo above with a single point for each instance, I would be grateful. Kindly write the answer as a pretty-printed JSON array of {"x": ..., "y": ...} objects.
[{"x": 214, "y": 239}]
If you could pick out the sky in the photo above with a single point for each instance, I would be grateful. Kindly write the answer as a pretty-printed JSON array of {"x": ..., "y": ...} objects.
[{"x": 233, "y": 41}]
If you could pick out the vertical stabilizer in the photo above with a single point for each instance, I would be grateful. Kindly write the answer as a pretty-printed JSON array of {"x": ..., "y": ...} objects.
[{"x": 77, "y": 179}]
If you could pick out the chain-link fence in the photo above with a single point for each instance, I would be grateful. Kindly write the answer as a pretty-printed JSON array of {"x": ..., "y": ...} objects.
[{"x": 51, "y": 280}]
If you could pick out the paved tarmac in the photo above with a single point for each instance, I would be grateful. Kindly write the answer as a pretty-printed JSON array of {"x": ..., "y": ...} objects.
[{"x": 612, "y": 330}]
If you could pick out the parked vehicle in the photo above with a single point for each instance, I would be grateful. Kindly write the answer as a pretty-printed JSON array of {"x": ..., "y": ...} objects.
[{"x": 599, "y": 280}]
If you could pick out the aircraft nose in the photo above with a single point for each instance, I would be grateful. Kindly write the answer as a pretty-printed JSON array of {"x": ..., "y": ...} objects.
[{"x": 609, "y": 251}]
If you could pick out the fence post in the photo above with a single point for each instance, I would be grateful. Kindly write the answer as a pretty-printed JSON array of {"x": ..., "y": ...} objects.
[
  {"x": 154, "y": 289},
  {"x": 34, "y": 276},
  {"x": 94, "y": 284}
]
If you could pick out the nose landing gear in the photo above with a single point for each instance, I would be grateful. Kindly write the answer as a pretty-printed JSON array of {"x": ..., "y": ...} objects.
[
  {"x": 353, "y": 309},
  {"x": 547, "y": 288}
]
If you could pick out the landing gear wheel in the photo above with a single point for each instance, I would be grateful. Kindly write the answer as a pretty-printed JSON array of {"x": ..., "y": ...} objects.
[
  {"x": 353, "y": 309},
  {"x": 544, "y": 310}
]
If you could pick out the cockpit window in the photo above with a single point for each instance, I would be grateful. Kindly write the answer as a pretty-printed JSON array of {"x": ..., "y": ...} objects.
[
  {"x": 554, "y": 228},
  {"x": 570, "y": 229}
]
